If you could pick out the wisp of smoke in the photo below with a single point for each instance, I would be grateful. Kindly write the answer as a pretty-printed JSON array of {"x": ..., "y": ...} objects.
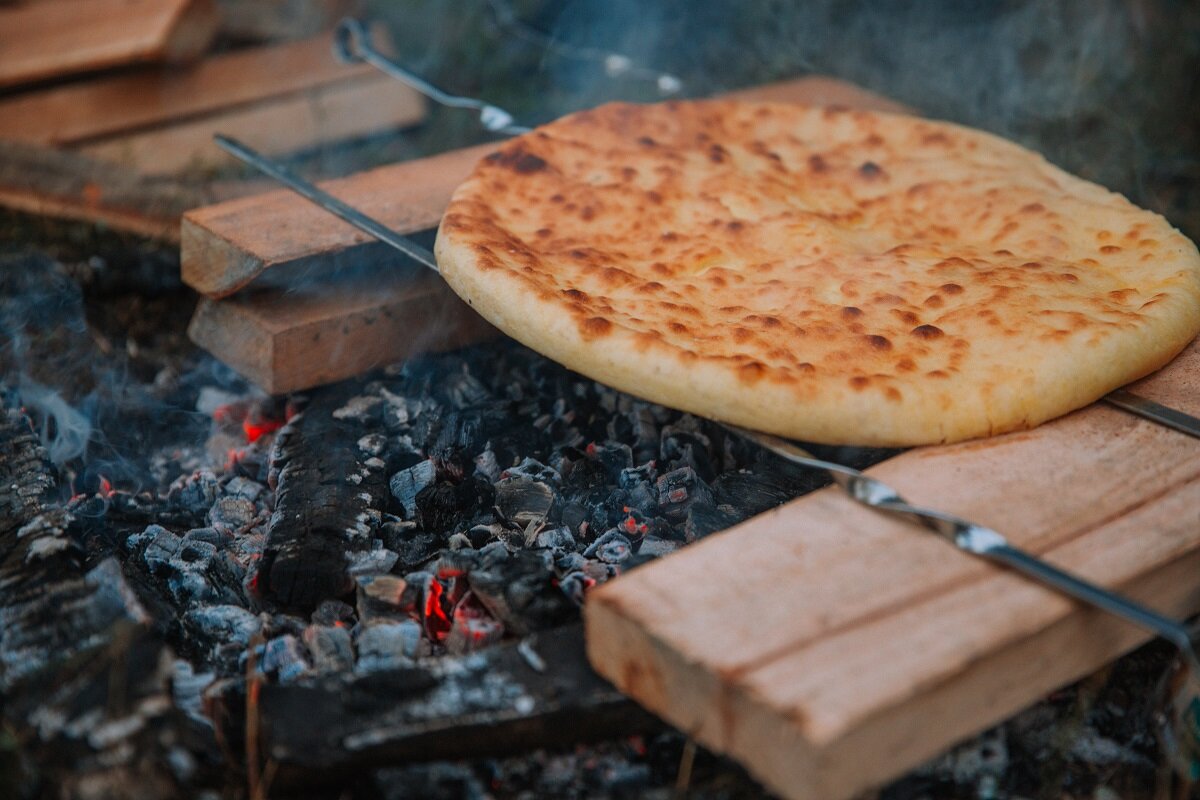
[{"x": 64, "y": 431}]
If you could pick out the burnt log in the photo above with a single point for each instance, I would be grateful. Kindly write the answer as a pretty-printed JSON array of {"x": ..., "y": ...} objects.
[
  {"x": 506, "y": 699},
  {"x": 329, "y": 497}
]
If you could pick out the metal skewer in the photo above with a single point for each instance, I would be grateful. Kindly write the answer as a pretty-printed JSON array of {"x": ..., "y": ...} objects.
[
  {"x": 975, "y": 539},
  {"x": 352, "y": 45}
]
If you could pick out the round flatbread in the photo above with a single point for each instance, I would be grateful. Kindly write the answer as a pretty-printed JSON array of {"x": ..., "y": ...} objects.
[{"x": 830, "y": 275}]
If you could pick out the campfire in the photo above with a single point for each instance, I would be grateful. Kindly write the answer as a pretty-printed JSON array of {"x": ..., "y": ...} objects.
[{"x": 348, "y": 546}]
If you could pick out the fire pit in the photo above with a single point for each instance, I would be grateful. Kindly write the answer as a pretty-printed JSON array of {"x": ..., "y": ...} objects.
[{"x": 373, "y": 589}]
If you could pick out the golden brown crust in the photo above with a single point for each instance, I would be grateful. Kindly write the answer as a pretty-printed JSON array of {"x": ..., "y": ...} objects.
[{"x": 831, "y": 275}]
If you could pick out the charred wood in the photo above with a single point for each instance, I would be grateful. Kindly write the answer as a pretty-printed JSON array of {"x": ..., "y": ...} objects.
[{"x": 329, "y": 498}]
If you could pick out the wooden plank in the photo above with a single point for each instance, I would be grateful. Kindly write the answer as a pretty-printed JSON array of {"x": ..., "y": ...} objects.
[
  {"x": 44, "y": 40},
  {"x": 868, "y": 645},
  {"x": 80, "y": 112},
  {"x": 45, "y": 181},
  {"x": 226, "y": 246},
  {"x": 289, "y": 339},
  {"x": 350, "y": 109}
]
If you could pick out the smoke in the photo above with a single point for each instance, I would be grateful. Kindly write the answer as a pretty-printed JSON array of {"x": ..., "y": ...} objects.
[{"x": 64, "y": 431}]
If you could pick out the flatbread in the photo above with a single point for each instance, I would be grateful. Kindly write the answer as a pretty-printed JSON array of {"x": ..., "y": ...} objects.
[{"x": 830, "y": 275}]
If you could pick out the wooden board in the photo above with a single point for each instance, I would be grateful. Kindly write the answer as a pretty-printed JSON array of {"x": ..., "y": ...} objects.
[
  {"x": 829, "y": 648},
  {"x": 44, "y": 40},
  {"x": 85, "y": 111},
  {"x": 350, "y": 109},
  {"x": 304, "y": 336},
  {"x": 226, "y": 246}
]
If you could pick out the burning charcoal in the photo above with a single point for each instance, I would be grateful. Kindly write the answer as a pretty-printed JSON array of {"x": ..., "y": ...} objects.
[
  {"x": 614, "y": 457},
  {"x": 579, "y": 471},
  {"x": 574, "y": 586},
  {"x": 283, "y": 657},
  {"x": 333, "y": 612},
  {"x": 406, "y": 484},
  {"x": 534, "y": 470},
  {"x": 223, "y": 632},
  {"x": 242, "y": 487},
  {"x": 655, "y": 547},
  {"x": 210, "y": 535},
  {"x": 522, "y": 500},
  {"x": 487, "y": 466},
  {"x": 685, "y": 444},
  {"x": 519, "y": 592},
  {"x": 462, "y": 389},
  {"x": 328, "y": 503},
  {"x": 330, "y": 648},
  {"x": 231, "y": 514},
  {"x": 161, "y": 549},
  {"x": 417, "y": 550},
  {"x": 362, "y": 409},
  {"x": 704, "y": 519},
  {"x": 639, "y": 488},
  {"x": 553, "y": 538},
  {"x": 611, "y": 548},
  {"x": 372, "y": 444},
  {"x": 389, "y": 645},
  {"x": 383, "y": 598},
  {"x": 370, "y": 562},
  {"x": 678, "y": 490},
  {"x": 195, "y": 493},
  {"x": 472, "y": 629}
]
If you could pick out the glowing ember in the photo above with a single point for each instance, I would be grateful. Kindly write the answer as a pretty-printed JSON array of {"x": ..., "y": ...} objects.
[{"x": 437, "y": 623}]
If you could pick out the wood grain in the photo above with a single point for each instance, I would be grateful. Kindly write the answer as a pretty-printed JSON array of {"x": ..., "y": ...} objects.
[
  {"x": 121, "y": 103},
  {"x": 226, "y": 246},
  {"x": 869, "y": 645},
  {"x": 290, "y": 339},
  {"x": 349, "y": 109},
  {"x": 46, "y": 40}
]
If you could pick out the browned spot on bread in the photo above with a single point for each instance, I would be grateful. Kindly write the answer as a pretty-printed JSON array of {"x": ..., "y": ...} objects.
[
  {"x": 587, "y": 213},
  {"x": 717, "y": 154},
  {"x": 544, "y": 232},
  {"x": 677, "y": 327},
  {"x": 893, "y": 394},
  {"x": 879, "y": 342},
  {"x": 938, "y": 373},
  {"x": 906, "y": 365},
  {"x": 805, "y": 367},
  {"x": 860, "y": 382},
  {"x": 935, "y": 138},
  {"x": 1032, "y": 265},
  {"x": 870, "y": 170},
  {"x": 1110, "y": 249},
  {"x": 518, "y": 160},
  {"x": 593, "y": 327},
  {"x": 874, "y": 140},
  {"x": 646, "y": 141},
  {"x": 751, "y": 372},
  {"x": 927, "y": 332},
  {"x": 628, "y": 173},
  {"x": 1068, "y": 277},
  {"x": 1032, "y": 208},
  {"x": 817, "y": 164},
  {"x": 1104, "y": 236},
  {"x": 950, "y": 288},
  {"x": 851, "y": 312},
  {"x": 575, "y": 294},
  {"x": 906, "y": 317},
  {"x": 934, "y": 301}
]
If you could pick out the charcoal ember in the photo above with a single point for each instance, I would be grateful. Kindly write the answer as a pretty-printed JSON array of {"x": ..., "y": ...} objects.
[
  {"x": 657, "y": 547},
  {"x": 384, "y": 598},
  {"x": 684, "y": 444},
  {"x": 439, "y": 507},
  {"x": 523, "y": 500},
  {"x": 221, "y": 632},
  {"x": 210, "y": 535},
  {"x": 578, "y": 470},
  {"x": 370, "y": 562},
  {"x": 644, "y": 431},
  {"x": 333, "y": 613},
  {"x": 462, "y": 389},
  {"x": 519, "y": 591},
  {"x": 456, "y": 563},
  {"x": 614, "y": 457},
  {"x": 612, "y": 547},
  {"x": 472, "y": 628},
  {"x": 194, "y": 493},
  {"x": 534, "y": 470},
  {"x": 329, "y": 648},
  {"x": 754, "y": 492},
  {"x": 232, "y": 514},
  {"x": 704, "y": 519},
  {"x": 389, "y": 645},
  {"x": 417, "y": 550},
  {"x": 575, "y": 584},
  {"x": 241, "y": 487},
  {"x": 487, "y": 466},
  {"x": 678, "y": 490},
  {"x": 470, "y": 429},
  {"x": 559, "y": 538},
  {"x": 406, "y": 484},
  {"x": 283, "y": 658},
  {"x": 362, "y": 409},
  {"x": 328, "y": 502},
  {"x": 140, "y": 508},
  {"x": 638, "y": 484}
]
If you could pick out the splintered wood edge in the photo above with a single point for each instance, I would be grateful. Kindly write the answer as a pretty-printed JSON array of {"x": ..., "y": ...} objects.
[{"x": 777, "y": 744}]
